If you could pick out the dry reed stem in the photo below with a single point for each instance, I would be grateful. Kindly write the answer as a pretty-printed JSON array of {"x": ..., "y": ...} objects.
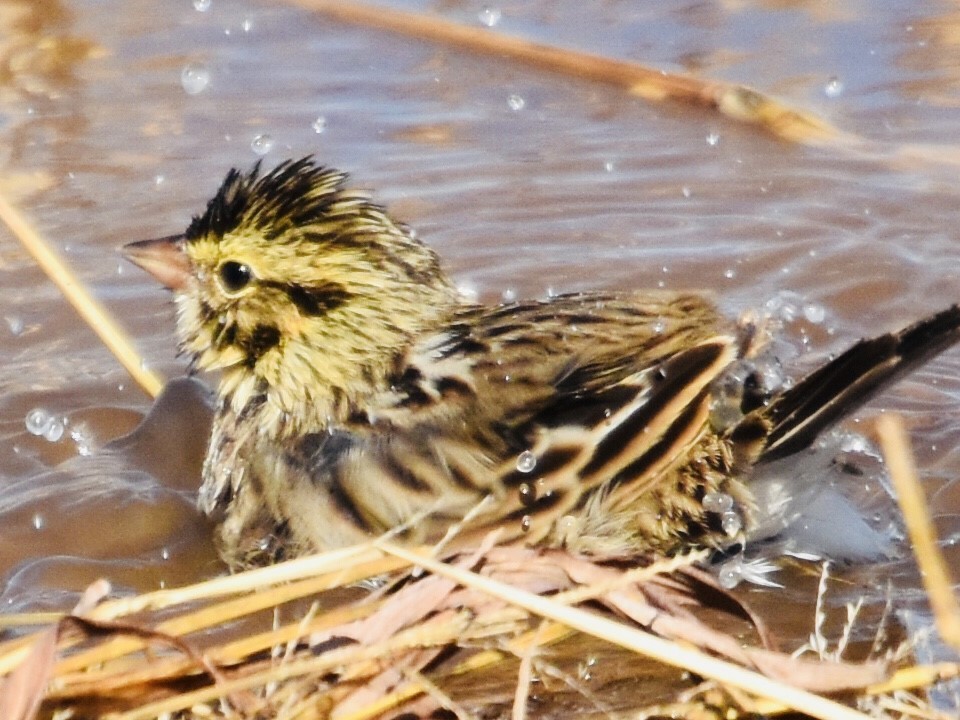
[
  {"x": 544, "y": 635},
  {"x": 88, "y": 307},
  {"x": 923, "y": 537},
  {"x": 346, "y": 565},
  {"x": 631, "y": 638},
  {"x": 432, "y": 632},
  {"x": 735, "y": 101}
]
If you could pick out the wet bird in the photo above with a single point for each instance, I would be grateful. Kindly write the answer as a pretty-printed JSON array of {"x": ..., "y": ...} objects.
[{"x": 360, "y": 394}]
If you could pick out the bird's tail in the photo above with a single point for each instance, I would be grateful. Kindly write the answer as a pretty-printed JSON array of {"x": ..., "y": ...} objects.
[{"x": 792, "y": 420}]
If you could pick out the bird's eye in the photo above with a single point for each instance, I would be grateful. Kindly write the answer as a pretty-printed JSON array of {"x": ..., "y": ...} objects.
[{"x": 235, "y": 276}]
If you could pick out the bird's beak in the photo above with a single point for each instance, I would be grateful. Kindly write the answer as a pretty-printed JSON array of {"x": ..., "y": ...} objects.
[{"x": 164, "y": 258}]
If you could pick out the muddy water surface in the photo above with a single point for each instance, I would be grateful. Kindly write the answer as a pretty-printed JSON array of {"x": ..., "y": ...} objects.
[{"x": 118, "y": 120}]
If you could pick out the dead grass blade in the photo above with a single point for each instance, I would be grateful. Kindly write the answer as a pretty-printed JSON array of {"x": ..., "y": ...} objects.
[
  {"x": 21, "y": 694},
  {"x": 735, "y": 101},
  {"x": 88, "y": 307},
  {"x": 636, "y": 640},
  {"x": 923, "y": 538}
]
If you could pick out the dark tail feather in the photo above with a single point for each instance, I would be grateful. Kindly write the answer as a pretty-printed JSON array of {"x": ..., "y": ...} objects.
[{"x": 794, "y": 419}]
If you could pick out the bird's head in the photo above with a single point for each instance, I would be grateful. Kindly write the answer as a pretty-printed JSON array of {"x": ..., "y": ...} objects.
[{"x": 300, "y": 291}]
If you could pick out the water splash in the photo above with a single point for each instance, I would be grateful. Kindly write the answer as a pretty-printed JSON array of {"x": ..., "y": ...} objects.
[
  {"x": 526, "y": 461},
  {"x": 731, "y": 523},
  {"x": 833, "y": 88},
  {"x": 490, "y": 16},
  {"x": 718, "y": 502},
  {"x": 262, "y": 144},
  {"x": 194, "y": 78},
  {"x": 41, "y": 423},
  {"x": 516, "y": 102}
]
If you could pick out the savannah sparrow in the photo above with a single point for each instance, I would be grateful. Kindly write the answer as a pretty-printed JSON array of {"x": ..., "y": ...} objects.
[{"x": 360, "y": 394}]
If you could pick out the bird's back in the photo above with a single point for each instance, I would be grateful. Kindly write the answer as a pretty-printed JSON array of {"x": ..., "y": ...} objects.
[{"x": 536, "y": 418}]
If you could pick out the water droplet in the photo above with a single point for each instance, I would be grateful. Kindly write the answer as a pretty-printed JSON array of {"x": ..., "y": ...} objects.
[
  {"x": 608, "y": 166},
  {"x": 833, "y": 88},
  {"x": 247, "y": 25},
  {"x": 262, "y": 144},
  {"x": 468, "y": 290},
  {"x": 37, "y": 421},
  {"x": 730, "y": 574},
  {"x": 528, "y": 494},
  {"x": 39, "y": 521},
  {"x": 718, "y": 502},
  {"x": 490, "y": 16},
  {"x": 526, "y": 462},
  {"x": 526, "y": 522},
  {"x": 713, "y": 139},
  {"x": 729, "y": 273},
  {"x": 814, "y": 313},
  {"x": 15, "y": 323},
  {"x": 83, "y": 440},
  {"x": 516, "y": 102},
  {"x": 659, "y": 326},
  {"x": 194, "y": 78},
  {"x": 687, "y": 192},
  {"x": 158, "y": 179},
  {"x": 319, "y": 125},
  {"x": 202, "y": 5},
  {"x": 165, "y": 554},
  {"x": 54, "y": 430},
  {"x": 731, "y": 522},
  {"x": 509, "y": 295},
  {"x": 853, "y": 443}
]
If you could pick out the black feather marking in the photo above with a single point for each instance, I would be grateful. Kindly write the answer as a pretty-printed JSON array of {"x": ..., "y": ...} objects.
[
  {"x": 415, "y": 397},
  {"x": 402, "y": 474},
  {"x": 263, "y": 339},
  {"x": 294, "y": 194},
  {"x": 642, "y": 464},
  {"x": 498, "y": 330},
  {"x": 556, "y": 458},
  {"x": 320, "y": 454},
  {"x": 540, "y": 504},
  {"x": 844, "y": 384},
  {"x": 460, "y": 477},
  {"x": 578, "y": 408},
  {"x": 224, "y": 334},
  {"x": 344, "y": 501},
  {"x": 449, "y": 386},
  {"x": 316, "y": 300},
  {"x": 676, "y": 374},
  {"x": 552, "y": 460}
]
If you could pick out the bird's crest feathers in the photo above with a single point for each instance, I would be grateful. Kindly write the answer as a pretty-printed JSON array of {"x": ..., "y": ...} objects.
[{"x": 295, "y": 194}]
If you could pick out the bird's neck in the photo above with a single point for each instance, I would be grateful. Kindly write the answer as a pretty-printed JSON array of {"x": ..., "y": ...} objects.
[{"x": 314, "y": 381}]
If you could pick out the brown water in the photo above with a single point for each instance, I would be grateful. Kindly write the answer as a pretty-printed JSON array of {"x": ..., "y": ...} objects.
[{"x": 526, "y": 182}]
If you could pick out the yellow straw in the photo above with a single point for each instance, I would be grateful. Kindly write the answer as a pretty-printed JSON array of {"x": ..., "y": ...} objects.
[
  {"x": 672, "y": 653},
  {"x": 90, "y": 309},
  {"x": 923, "y": 536}
]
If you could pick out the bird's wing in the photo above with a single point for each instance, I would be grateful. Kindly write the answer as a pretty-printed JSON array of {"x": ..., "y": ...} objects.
[{"x": 534, "y": 406}]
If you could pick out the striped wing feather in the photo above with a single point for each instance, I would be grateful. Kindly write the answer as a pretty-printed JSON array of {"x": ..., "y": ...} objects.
[{"x": 594, "y": 411}]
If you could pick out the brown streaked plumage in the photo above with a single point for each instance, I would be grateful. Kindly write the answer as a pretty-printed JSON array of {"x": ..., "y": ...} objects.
[{"x": 360, "y": 394}]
